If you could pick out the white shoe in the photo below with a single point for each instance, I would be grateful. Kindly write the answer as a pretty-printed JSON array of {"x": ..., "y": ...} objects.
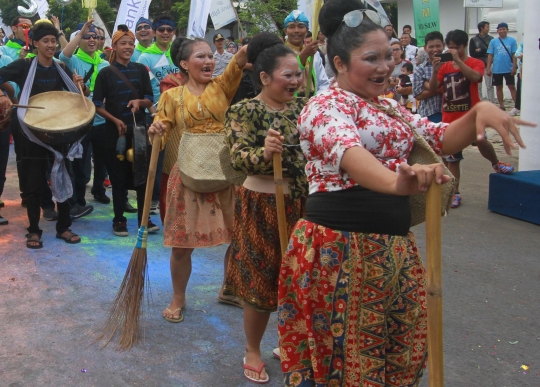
[
  {"x": 514, "y": 112},
  {"x": 154, "y": 208}
]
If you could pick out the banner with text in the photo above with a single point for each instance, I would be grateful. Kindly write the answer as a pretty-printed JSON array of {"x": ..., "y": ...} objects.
[
  {"x": 426, "y": 18},
  {"x": 198, "y": 17},
  {"x": 130, "y": 12},
  {"x": 222, "y": 13}
]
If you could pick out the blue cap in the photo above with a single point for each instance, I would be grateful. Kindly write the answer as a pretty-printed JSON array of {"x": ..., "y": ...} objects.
[
  {"x": 502, "y": 25},
  {"x": 296, "y": 16},
  {"x": 143, "y": 20},
  {"x": 81, "y": 25}
]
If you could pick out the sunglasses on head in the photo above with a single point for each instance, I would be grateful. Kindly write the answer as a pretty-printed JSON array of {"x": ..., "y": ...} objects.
[
  {"x": 354, "y": 18},
  {"x": 90, "y": 36},
  {"x": 144, "y": 27},
  {"x": 165, "y": 29},
  {"x": 24, "y": 26}
]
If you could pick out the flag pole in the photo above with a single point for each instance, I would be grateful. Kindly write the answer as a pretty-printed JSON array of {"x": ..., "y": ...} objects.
[
  {"x": 314, "y": 31},
  {"x": 242, "y": 31}
]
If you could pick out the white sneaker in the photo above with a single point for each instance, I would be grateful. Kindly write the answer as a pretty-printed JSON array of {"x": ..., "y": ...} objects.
[
  {"x": 154, "y": 208},
  {"x": 514, "y": 112}
]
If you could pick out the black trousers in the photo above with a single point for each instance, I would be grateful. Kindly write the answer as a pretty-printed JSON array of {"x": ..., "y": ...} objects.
[
  {"x": 4, "y": 156},
  {"x": 122, "y": 179},
  {"x": 34, "y": 165},
  {"x": 518, "y": 93},
  {"x": 20, "y": 145},
  {"x": 78, "y": 166}
]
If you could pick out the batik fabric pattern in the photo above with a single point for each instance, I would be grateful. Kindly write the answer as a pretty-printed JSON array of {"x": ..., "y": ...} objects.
[{"x": 352, "y": 309}]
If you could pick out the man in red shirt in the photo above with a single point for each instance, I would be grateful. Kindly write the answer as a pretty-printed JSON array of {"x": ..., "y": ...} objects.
[{"x": 459, "y": 78}]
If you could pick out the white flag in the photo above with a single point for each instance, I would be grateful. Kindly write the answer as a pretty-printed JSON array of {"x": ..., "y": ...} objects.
[
  {"x": 198, "y": 17},
  {"x": 222, "y": 13},
  {"x": 99, "y": 22},
  {"x": 376, "y": 4},
  {"x": 130, "y": 12},
  {"x": 43, "y": 8}
]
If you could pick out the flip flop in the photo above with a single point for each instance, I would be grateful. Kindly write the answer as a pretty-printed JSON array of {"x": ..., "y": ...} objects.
[
  {"x": 180, "y": 317},
  {"x": 68, "y": 238},
  {"x": 234, "y": 301},
  {"x": 257, "y": 370}
]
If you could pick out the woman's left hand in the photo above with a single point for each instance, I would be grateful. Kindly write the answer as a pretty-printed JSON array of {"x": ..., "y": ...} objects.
[
  {"x": 418, "y": 178},
  {"x": 489, "y": 115}
]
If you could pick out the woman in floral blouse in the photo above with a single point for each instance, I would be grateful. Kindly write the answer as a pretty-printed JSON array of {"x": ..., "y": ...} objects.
[
  {"x": 352, "y": 299},
  {"x": 256, "y": 129}
]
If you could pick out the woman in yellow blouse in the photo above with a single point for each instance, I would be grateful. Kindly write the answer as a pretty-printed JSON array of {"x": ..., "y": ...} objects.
[{"x": 195, "y": 219}]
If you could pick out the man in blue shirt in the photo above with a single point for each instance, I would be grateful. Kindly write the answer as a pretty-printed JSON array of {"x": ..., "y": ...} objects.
[
  {"x": 145, "y": 37},
  {"x": 157, "y": 59},
  {"x": 80, "y": 56},
  {"x": 500, "y": 53}
]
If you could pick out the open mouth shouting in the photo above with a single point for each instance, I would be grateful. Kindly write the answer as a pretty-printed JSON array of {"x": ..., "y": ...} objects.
[
  {"x": 207, "y": 70},
  {"x": 379, "y": 81}
]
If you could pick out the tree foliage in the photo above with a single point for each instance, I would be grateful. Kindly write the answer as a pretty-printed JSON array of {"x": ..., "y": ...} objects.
[{"x": 265, "y": 15}]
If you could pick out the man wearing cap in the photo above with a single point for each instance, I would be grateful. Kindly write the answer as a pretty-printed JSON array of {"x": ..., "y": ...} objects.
[
  {"x": 222, "y": 56},
  {"x": 501, "y": 54},
  {"x": 296, "y": 28},
  {"x": 80, "y": 56},
  {"x": 144, "y": 35},
  {"x": 478, "y": 47},
  {"x": 120, "y": 103},
  {"x": 157, "y": 59}
]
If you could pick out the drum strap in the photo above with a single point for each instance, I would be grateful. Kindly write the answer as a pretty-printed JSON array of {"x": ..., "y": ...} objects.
[{"x": 61, "y": 186}]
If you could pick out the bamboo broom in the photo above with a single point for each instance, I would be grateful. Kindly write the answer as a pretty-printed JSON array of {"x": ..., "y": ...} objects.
[
  {"x": 125, "y": 312},
  {"x": 434, "y": 285},
  {"x": 280, "y": 203}
]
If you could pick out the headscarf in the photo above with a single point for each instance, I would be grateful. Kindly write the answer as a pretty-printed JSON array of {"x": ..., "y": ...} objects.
[
  {"x": 234, "y": 45},
  {"x": 116, "y": 37},
  {"x": 296, "y": 16},
  {"x": 163, "y": 22},
  {"x": 143, "y": 20}
]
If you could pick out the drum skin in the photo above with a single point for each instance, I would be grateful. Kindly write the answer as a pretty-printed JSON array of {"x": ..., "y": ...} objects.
[{"x": 64, "y": 119}]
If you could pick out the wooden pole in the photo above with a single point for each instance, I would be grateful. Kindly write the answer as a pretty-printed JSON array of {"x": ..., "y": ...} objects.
[
  {"x": 434, "y": 286},
  {"x": 242, "y": 31},
  {"x": 280, "y": 203}
]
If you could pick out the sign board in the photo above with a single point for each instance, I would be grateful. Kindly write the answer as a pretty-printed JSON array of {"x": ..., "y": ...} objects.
[
  {"x": 483, "y": 3},
  {"x": 426, "y": 18},
  {"x": 222, "y": 13}
]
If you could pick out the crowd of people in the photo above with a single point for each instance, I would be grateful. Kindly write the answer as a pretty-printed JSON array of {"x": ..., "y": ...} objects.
[{"x": 339, "y": 109}]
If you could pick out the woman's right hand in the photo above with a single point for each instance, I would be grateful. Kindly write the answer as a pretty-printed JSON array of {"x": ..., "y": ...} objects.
[
  {"x": 272, "y": 144},
  {"x": 416, "y": 179},
  {"x": 158, "y": 128}
]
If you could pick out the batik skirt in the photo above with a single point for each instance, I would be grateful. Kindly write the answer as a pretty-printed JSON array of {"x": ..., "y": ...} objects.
[
  {"x": 352, "y": 309},
  {"x": 194, "y": 219},
  {"x": 255, "y": 253}
]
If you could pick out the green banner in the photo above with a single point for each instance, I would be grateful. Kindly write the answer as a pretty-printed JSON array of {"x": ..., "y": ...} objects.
[{"x": 426, "y": 18}]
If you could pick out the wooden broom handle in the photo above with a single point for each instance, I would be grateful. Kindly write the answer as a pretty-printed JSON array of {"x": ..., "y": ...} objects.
[
  {"x": 280, "y": 202},
  {"x": 156, "y": 148},
  {"x": 434, "y": 286}
]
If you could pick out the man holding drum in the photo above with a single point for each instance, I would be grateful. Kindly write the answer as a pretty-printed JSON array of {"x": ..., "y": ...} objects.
[
  {"x": 33, "y": 158},
  {"x": 86, "y": 62}
]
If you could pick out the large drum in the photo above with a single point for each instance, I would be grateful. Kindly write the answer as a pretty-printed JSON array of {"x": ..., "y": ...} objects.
[{"x": 64, "y": 119}]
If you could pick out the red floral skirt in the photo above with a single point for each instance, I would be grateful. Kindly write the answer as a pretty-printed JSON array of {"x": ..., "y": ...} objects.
[
  {"x": 352, "y": 309},
  {"x": 195, "y": 219}
]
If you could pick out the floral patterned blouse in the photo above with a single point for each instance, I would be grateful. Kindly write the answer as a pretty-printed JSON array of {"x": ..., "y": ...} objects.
[
  {"x": 247, "y": 124},
  {"x": 336, "y": 120}
]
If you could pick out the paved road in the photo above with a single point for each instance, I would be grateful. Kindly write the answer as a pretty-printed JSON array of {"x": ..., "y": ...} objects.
[{"x": 53, "y": 300}]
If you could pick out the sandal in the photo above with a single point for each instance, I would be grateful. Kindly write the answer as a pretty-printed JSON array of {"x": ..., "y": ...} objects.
[
  {"x": 69, "y": 238},
  {"x": 180, "y": 317},
  {"x": 257, "y": 370},
  {"x": 234, "y": 301},
  {"x": 32, "y": 242}
]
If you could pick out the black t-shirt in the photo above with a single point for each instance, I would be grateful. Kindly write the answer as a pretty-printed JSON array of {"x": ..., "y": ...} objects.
[{"x": 114, "y": 94}]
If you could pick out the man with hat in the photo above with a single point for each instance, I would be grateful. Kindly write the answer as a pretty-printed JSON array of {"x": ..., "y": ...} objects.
[
  {"x": 158, "y": 61},
  {"x": 222, "y": 56},
  {"x": 296, "y": 28},
  {"x": 119, "y": 99},
  {"x": 80, "y": 56},
  {"x": 144, "y": 35},
  {"x": 501, "y": 54}
]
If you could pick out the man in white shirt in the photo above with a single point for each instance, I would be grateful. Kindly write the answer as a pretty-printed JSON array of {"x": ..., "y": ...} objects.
[
  {"x": 410, "y": 50},
  {"x": 222, "y": 56}
]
